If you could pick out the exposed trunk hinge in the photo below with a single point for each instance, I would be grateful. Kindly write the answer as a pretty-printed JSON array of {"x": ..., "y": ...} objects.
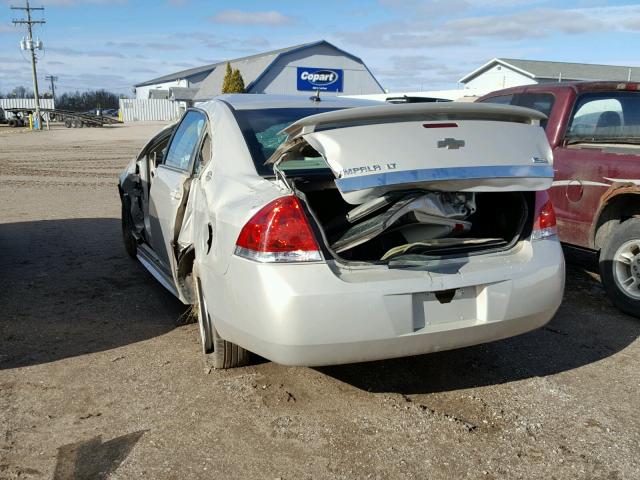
[{"x": 280, "y": 174}]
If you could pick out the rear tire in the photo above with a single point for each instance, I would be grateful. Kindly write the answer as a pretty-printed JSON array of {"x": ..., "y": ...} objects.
[
  {"x": 620, "y": 266},
  {"x": 219, "y": 353}
]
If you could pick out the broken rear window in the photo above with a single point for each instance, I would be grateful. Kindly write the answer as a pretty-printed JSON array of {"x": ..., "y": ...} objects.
[{"x": 260, "y": 130}]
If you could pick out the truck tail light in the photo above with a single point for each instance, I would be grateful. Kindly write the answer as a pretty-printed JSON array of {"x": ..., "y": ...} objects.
[
  {"x": 544, "y": 224},
  {"x": 279, "y": 232}
]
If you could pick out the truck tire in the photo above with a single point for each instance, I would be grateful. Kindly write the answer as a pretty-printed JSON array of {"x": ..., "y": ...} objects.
[
  {"x": 68, "y": 123},
  {"x": 219, "y": 353},
  {"x": 130, "y": 242},
  {"x": 13, "y": 123},
  {"x": 620, "y": 266}
]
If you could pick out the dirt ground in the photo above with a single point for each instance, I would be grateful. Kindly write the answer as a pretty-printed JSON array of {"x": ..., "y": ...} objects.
[{"x": 99, "y": 379}]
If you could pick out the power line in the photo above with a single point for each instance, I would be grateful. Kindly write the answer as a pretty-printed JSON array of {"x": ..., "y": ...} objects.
[
  {"x": 30, "y": 45},
  {"x": 52, "y": 79}
]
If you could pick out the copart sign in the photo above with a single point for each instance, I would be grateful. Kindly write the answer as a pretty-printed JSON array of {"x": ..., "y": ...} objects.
[{"x": 325, "y": 79}]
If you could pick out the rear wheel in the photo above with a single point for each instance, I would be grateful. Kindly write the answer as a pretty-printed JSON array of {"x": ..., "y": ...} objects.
[
  {"x": 68, "y": 123},
  {"x": 620, "y": 266},
  {"x": 219, "y": 353}
]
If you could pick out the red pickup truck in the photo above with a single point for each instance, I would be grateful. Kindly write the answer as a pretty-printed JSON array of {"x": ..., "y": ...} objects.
[{"x": 594, "y": 131}]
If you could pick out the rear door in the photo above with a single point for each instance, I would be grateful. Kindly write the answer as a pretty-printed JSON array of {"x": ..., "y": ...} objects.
[{"x": 169, "y": 188}]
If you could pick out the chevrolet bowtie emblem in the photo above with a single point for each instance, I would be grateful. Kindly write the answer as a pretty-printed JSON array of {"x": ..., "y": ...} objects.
[{"x": 450, "y": 143}]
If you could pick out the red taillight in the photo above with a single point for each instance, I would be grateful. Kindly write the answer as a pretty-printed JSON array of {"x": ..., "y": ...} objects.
[
  {"x": 279, "y": 232},
  {"x": 544, "y": 224}
]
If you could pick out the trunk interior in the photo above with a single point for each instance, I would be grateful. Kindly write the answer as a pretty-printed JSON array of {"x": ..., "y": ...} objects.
[{"x": 415, "y": 225}]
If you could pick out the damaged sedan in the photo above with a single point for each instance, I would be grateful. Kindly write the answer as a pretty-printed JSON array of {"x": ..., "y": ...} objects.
[{"x": 328, "y": 231}]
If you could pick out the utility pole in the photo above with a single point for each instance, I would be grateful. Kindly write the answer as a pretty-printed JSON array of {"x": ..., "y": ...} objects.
[
  {"x": 52, "y": 79},
  {"x": 29, "y": 22}
]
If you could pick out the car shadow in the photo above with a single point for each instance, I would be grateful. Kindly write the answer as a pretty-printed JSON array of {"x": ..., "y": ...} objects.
[
  {"x": 68, "y": 288},
  {"x": 586, "y": 329}
]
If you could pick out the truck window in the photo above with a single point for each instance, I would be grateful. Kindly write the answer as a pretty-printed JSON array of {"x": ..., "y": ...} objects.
[
  {"x": 606, "y": 116},
  {"x": 542, "y": 102},
  {"x": 502, "y": 99}
]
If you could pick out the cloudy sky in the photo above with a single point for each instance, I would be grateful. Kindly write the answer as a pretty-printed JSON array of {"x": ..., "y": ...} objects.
[{"x": 408, "y": 44}]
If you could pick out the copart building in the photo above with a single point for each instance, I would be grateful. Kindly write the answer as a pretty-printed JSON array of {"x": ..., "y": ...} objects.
[{"x": 298, "y": 70}]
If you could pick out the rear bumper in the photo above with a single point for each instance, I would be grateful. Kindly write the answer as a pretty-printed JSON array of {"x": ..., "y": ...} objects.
[{"x": 313, "y": 315}]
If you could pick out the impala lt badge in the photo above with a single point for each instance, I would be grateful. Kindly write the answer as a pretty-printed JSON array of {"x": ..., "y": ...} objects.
[{"x": 450, "y": 143}]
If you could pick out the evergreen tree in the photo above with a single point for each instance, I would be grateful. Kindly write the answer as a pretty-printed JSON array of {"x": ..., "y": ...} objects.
[
  {"x": 226, "y": 83},
  {"x": 237, "y": 82}
]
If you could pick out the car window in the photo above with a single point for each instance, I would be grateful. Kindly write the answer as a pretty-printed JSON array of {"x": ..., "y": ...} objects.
[
  {"x": 185, "y": 140},
  {"x": 260, "y": 129},
  {"x": 542, "y": 102},
  {"x": 156, "y": 153},
  {"x": 204, "y": 155},
  {"x": 606, "y": 116},
  {"x": 501, "y": 99}
]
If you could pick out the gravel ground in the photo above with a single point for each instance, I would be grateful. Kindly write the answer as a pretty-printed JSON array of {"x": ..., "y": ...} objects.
[{"x": 99, "y": 378}]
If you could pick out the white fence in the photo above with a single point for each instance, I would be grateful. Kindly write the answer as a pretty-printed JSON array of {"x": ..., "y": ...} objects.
[
  {"x": 25, "y": 103},
  {"x": 133, "y": 110}
]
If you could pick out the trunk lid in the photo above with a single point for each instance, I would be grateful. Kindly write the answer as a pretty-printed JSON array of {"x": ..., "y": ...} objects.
[{"x": 462, "y": 147}]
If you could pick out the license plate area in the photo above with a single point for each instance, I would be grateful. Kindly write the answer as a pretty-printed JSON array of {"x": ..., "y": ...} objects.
[{"x": 436, "y": 308}]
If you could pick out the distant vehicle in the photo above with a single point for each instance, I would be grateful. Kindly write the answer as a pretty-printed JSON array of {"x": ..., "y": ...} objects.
[
  {"x": 17, "y": 117},
  {"x": 594, "y": 130},
  {"x": 327, "y": 232}
]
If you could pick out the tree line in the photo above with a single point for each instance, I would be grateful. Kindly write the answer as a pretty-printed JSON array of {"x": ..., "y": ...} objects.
[
  {"x": 75, "y": 101},
  {"x": 22, "y": 92}
]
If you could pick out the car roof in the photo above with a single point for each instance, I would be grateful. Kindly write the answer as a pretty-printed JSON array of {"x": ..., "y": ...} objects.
[
  {"x": 577, "y": 86},
  {"x": 252, "y": 101}
]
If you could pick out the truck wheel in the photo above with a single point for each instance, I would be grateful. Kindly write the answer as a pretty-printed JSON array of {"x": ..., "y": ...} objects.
[
  {"x": 620, "y": 266},
  {"x": 13, "y": 123},
  {"x": 68, "y": 123},
  {"x": 219, "y": 353},
  {"x": 130, "y": 242}
]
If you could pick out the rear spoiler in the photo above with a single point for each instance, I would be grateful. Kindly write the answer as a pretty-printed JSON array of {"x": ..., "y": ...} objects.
[{"x": 409, "y": 112}]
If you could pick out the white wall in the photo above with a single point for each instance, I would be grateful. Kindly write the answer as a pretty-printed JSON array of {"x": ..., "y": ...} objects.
[
  {"x": 497, "y": 78},
  {"x": 134, "y": 110},
  {"x": 142, "y": 93},
  {"x": 25, "y": 103}
]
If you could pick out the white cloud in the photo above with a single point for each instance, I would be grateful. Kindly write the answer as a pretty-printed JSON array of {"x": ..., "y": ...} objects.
[
  {"x": 239, "y": 17},
  {"x": 8, "y": 29},
  {"x": 519, "y": 26},
  {"x": 85, "y": 53}
]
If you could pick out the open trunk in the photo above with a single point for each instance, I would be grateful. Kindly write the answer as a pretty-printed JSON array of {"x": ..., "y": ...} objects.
[
  {"x": 416, "y": 225},
  {"x": 409, "y": 182}
]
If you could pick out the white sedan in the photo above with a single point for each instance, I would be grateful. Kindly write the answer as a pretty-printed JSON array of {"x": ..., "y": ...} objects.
[{"x": 335, "y": 231}]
